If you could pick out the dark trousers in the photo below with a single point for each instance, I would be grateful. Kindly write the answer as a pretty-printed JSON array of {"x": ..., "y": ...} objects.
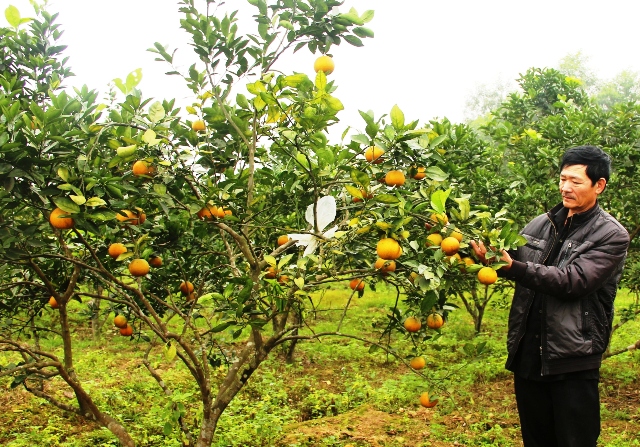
[{"x": 563, "y": 413}]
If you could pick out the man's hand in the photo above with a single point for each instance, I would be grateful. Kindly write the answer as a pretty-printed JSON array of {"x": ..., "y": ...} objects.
[{"x": 481, "y": 253}]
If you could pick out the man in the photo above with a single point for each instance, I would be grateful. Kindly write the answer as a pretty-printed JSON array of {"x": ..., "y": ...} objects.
[{"x": 560, "y": 320}]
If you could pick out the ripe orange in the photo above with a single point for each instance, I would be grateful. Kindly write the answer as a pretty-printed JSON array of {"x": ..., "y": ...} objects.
[
  {"x": 61, "y": 223},
  {"x": 120, "y": 321},
  {"x": 142, "y": 167},
  {"x": 324, "y": 63},
  {"x": 388, "y": 248},
  {"x": 450, "y": 246},
  {"x": 439, "y": 218},
  {"x": 468, "y": 261},
  {"x": 455, "y": 233},
  {"x": 198, "y": 125},
  {"x": 283, "y": 279},
  {"x": 226, "y": 213},
  {"x": 417, "y": 363},
  {"x": 365, "y": 195},
  {"x": 385, "y": 266},
  {"x": 53, "y": 303},
  {"x": 126, "y": 331},
  {"x": 412, "y": 324},
  {"x": 487, "y": 275},
  {"x": 456, "y": 258},
  {"x": 138, "y": 267},
  {"x": 186, "y": 287},
  {"x": 155, "y": 261},
  {"x": 283, "y": 239},
  {"x": 373, "y": 154},
  {"x": 192, "y": 297},
  {"x": 208, "y": 212},
  {"x": 136, "y": 217},
  {"x": 434, "y": 240},
  {"x": 394, "y": 178},
  {"x": 357, "y": 284},
  {"x": 116, "y": 249},
  {"x": 272, "y": 272},
  {"x": 435, "y": 321},
  {"x": 426, "y": 402},
  {"x": 420, "y": 173}
]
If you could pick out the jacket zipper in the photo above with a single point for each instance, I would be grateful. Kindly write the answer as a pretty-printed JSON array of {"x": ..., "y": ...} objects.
[{"x": 543, "y": 337}]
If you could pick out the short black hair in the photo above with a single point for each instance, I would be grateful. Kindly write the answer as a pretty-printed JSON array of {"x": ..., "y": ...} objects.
[{"x": 596, "y": 160}]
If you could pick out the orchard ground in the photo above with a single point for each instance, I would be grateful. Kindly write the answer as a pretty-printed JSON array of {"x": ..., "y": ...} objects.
[{"x": 335, "y": 393}]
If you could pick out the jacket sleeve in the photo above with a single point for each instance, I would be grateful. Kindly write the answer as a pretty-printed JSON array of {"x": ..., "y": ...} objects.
[{"x": 583, "y": 274}]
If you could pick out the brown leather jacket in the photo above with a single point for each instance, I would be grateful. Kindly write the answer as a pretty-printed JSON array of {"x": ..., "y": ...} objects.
[{"x": 578, "y": 289}]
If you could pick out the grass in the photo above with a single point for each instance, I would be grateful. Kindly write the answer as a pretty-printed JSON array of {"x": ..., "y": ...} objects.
[{"x": 335, "y": 393}]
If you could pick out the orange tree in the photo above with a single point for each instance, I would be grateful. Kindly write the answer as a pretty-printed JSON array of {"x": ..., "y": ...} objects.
[{"x": 173, "y": 219}]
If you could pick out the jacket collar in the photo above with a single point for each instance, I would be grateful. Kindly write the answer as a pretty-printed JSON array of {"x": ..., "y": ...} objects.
[{"x": 559, "y": 211}]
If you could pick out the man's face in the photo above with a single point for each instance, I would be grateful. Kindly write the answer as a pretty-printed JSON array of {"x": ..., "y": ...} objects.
[{"x": 578, "y": 192}]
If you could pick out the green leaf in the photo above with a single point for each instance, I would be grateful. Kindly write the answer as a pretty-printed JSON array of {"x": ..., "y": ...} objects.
[
  {"x": 386, "y": 198},
  {"x": 359, "y": 177},
  {"x": 66, "y": 205},
  {"x": 295, "y": 80},
  {"x": 13, "y": 16},
  {"x": 126, "y": 151},
  {"x": 435, "y": 173},
  {"x": 373, "y": 348},
  {"x": 367, "y": 16},
  {"x": 170, "y": 352},
  {"x": 149, "y": 137},
  {"x": 465, "y": 208},
  {"x": 156, "y": 112},
  {"x": 167, "y": 429},
  {"x": 299, "y": 282},
  {"x": 284, "y": 260},
  {"x": 439, "y": 200},
  {"x": 321, "y": 81},
  {"x": 397, "y": 117},
  {"x": 78, "y": 200},
  {"x": 242, "y": 101},
  {"x": 436, "y": 141},
  {"x": 355, "y": 192},
  {"x": 63, "y": 173},
  {"x": 363, "y": 32},
  {"x": 333, "y": 103},
  {"x": 160, "y": 189},
  {"x": 353, "y": 40},
  {"x": 95, "y": 201},
  {"x": 221, "y": 327},
  {"x": 270, "y": 260}
]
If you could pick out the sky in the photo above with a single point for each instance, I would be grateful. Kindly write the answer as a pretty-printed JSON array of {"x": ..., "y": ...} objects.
[{"x": 427, "y": 56}]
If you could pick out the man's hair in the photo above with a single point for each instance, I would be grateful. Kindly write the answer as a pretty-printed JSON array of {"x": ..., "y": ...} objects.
[{"x": 597, "y": 161}]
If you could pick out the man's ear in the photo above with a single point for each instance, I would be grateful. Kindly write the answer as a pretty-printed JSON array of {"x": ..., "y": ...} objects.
[{"x": 601, "y": 184}]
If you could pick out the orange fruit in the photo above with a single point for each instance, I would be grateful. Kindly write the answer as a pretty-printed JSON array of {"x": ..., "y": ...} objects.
[
  {"x": 155, "y": 261},
  {"x": 283, "y": 239},
  {"x": 198, "y": 125},
  {"x": 426, "y": 402},
  {"x": 53, "y": 303},
  {"x": 450, "y": 246},
  {"x": 208, "y": 212},
  {"x": 417, "y": 363},
  {"x": 385, "y": 266},
  {"x": 126, "y": 331},
  {"x": 120, "y": 321},
  {"x": 142, "y": 167},
  {"x": 357, "y": 284},
  {"x": 468, "y": 261},
  {"x": 192, "y": 297},
  {"x": 388, "y": 248},
  {"x": 136, "y": 217},
  {"x": 413, "y": 276},
  {"x": 272, "y": 272},
  {"x": 324, "y": 63},
  {"x": 412, "y": 324},
  {"x": 456, "y": 257},
  {"x": 227, "y": 213},
  {"x": 373, "y": 154},
  {"x": 420, "y": 173},
  {"x": 365, "y": 195},
  {"x": 394, "y": 178},
  {"x": 138, "y": 267},
  {"x": 61, "y": 223},
  {"x": 456, "y": 234},
  {"x": 186, "y": 287},
  {"x": 439, "y": 218},
  {"x": 434, "y": 240},
  {"x": 487, "y": 275},
  {"x": 435, "y": 321},
  {"x": 116, "y": 249},
  {"x": 283, "y": 279}
]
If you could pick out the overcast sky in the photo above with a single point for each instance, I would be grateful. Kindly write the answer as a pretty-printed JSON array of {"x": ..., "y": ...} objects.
[{"x": 427, "y": 56}]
